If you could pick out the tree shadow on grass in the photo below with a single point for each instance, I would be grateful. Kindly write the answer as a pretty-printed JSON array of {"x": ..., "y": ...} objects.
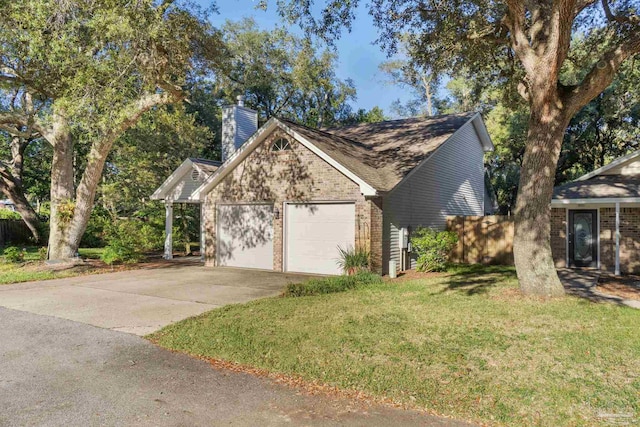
[{"x": 477, "y": 279}]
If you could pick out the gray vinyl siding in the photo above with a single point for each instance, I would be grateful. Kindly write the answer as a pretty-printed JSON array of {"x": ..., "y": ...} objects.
[
  {"x": 246, "y": 125},
  {"x": 185, "y": 186},
  {"x": 450, "y": 182},
  {"x": 238, "y": 125}
]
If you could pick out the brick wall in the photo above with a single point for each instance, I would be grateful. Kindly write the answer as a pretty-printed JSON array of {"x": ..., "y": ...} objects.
[
  {"x": 289, "y": 176},
  {"x": 559, "y": 236},
  {"x": 629, "y": 239}
]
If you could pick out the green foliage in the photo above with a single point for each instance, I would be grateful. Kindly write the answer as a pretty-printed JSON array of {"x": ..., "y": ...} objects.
[
  {"x": 42, "y": 253},
  {"x": 328, "y": 285},
  {"x": 128, "y": 240},
  {"x": 352, "y": 260},
  {"x": 432, "y": 248},
  {"x": 13, "y": 254},
  {"x": 94, "y": 235},
  {"x": 9, "y": 214},
  {"x": 290, "y": 77}
]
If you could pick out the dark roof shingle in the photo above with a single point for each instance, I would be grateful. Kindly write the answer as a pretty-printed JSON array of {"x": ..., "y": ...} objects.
[
  {"x": 600, "y": 187},
  {"x": 383, "y": 153}
]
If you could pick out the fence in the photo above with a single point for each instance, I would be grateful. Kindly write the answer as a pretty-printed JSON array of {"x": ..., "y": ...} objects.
[
  {"x": 482, "y": 239},
  {"x": 13, "y": 232}
]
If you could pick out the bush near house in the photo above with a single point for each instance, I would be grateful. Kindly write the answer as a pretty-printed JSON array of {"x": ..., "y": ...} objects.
[
  {"x": 353, "y": 260},
  {"x": 128, "y": 240},
  {"x": 432, "y": 248},
  {"x": 13, "y": 254}
]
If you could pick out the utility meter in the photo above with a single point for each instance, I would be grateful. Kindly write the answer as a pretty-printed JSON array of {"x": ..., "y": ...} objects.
[{"x": 404, "y": 238}]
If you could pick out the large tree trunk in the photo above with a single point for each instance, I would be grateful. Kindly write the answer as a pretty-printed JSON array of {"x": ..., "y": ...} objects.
[
  {"x": 62, "y": 195},
  {"x": 532, "y": 249}
]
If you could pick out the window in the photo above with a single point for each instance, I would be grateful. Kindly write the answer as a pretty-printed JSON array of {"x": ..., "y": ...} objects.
[{"x": 280, "y": 144}]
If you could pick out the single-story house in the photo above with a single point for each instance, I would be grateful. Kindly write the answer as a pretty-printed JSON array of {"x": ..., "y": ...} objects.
[
  {"x": 286, "y": 196},
  {"x": 595, "y": 220}
]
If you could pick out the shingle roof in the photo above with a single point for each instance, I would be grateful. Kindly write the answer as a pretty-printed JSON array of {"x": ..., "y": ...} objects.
[
  {"x": 383, "y": 153},
  {"x": 600, "y": 187}
]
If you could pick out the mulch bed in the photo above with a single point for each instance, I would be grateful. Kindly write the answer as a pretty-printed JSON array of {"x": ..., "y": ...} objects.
[{"x": 627, "y": 287}]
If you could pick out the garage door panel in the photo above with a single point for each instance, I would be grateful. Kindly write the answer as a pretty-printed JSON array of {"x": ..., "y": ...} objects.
[
  {"x": 245, "y": 236},
  {"x": 313, "y": 234}
]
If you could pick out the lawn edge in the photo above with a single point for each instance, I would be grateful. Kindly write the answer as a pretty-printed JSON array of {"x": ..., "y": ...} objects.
[{"x": 311, "y": 388}]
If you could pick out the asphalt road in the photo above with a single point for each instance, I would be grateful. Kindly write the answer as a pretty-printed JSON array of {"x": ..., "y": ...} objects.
[{"x": 56, "y": 372}]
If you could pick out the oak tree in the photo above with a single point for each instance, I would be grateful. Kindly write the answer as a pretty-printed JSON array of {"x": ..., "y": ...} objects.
[
  {"x": 526, "y": 41},
  {"x": 90, "y": 71}
]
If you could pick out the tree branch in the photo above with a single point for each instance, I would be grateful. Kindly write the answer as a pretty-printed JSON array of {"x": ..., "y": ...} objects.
[
  {"x": 601, "y": 75},
  {"x": 612, "y": 17},
  {"x": 515, "y": 22}
]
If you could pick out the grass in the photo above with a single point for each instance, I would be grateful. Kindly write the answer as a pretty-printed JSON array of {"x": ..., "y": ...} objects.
[
  {"x": 32, "y": 269},
  {"x": 328, "y": 285},
  {"x": 465, "y": 344}
]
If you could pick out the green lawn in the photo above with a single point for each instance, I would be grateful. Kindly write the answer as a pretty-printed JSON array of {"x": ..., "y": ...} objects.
[
  {"x": 33, "y": 270},
  {"x": 467, "y": 345}
]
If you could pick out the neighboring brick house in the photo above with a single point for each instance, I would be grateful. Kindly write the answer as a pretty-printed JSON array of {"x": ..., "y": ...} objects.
[
  {"x": 595, "y": 220},
  {"x": 288, "y": 196}
]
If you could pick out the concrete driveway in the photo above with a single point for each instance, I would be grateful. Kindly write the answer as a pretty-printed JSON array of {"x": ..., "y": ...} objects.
[{"x": 143, "y": 301}]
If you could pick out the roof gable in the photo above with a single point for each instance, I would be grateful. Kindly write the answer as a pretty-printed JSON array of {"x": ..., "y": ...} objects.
[
  {"x": 180, "y": 184},
  {"x": 610, "y": 169}
]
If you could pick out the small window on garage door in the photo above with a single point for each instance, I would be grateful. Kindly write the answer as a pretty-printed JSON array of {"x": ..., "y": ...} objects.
[
  {"x": 313, "y": 233},
  {"x": 245, "y": 236}
]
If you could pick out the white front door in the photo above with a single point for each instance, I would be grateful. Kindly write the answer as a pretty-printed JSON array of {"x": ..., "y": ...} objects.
[
  {"x": 314, "y": 231},
  {"x": 245, "y": 236}
]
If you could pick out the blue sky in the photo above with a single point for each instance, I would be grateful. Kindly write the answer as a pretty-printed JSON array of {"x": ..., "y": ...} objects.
[{"x": 358, "y": 57}]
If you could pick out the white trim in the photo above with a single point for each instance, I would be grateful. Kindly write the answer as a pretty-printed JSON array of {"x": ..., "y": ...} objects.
[
  {"x": 430, "y": 156},
  {"x": 598, "y": 220},
  {"x": 560, "y": 202},
  {"x": 617, "y": 268},
  {"x": 613, "y": 164},
  {"x": 203, "y": 231},
  {"x": 483, "y": 133},
  {"x": 161, "y": 192},
  {"x": 168, "y": 231},
  {"x": 567, "y": 235}
]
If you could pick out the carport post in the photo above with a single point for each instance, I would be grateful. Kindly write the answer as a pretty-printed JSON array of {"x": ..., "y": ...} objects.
[
  {"x": 168, "y": 230},
  {"x": 202, "y": 229},
  {"x": 617, "y": 239}
]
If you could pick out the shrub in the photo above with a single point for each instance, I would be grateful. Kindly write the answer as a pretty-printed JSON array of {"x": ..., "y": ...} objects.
[
  {"x": 42, "y": 253},
  {"x": 328, "y": 285},
  {"x": 432, "y": 248},
  {"x": 13, "y": 254},
  {"x": 9, "y": 214},
  {"x": 125, "y": 242},
  {"x": 352, "y": 260}
]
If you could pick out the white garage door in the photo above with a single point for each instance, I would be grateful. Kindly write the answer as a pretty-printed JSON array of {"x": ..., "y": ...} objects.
[
  {"x": 313, "y": 234},
  {"x": 245, "y": 236}
]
